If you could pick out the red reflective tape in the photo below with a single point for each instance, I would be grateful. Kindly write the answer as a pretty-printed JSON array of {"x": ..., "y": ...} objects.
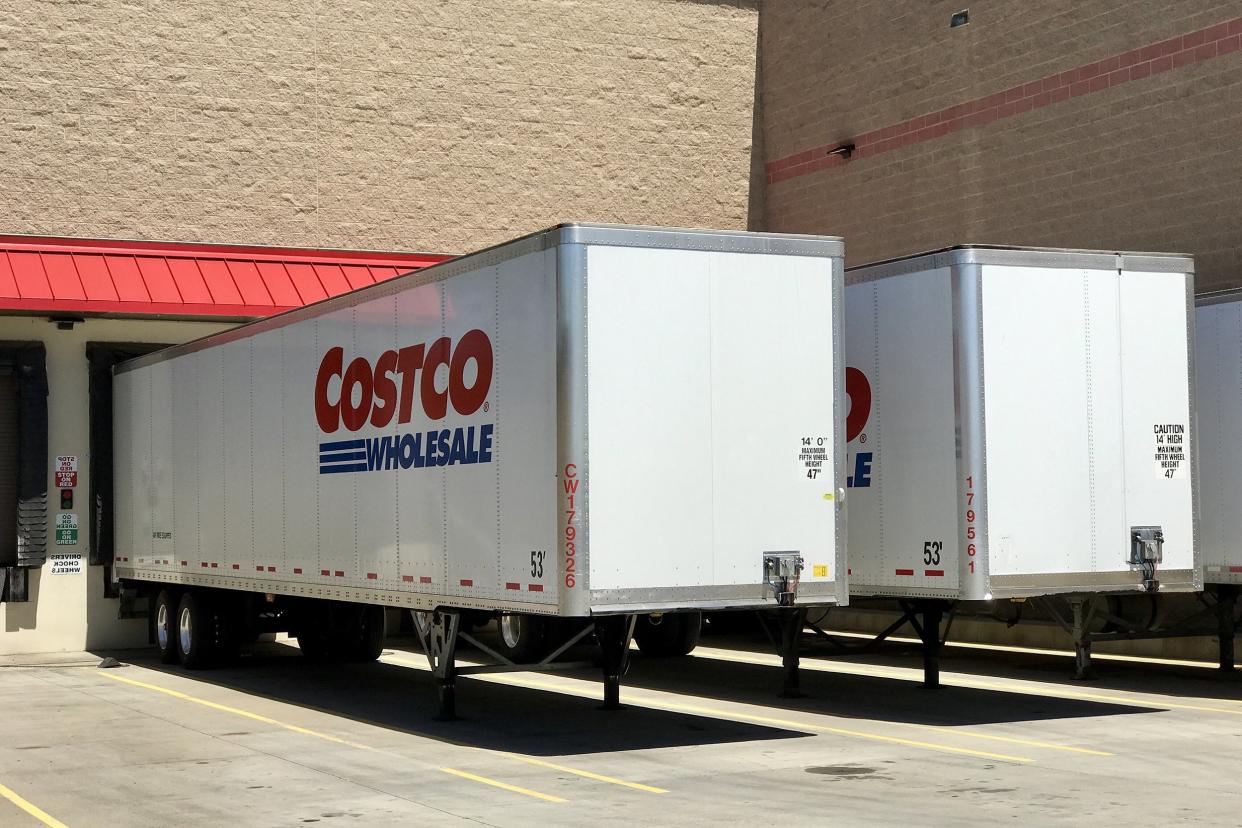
[
  {"x": 258, "y": 569},
  {"x": 324, "y": 572},
  {"x": 535, "y": 587},
  {"x": 339, "y": 574},
  {"x": 905, "y": 572},
  {"x": 407, "y": 578},
  {"x": 203, "y": 564},
  {"x": 297, "y": 570},
  {"x": 271, "y": 569},
  {"x": 424, "y": 579},
  {"x": 237, "y": 566},
  {"x": 467, "y": 582},
  {"x": 849, "y": 572},
  {"x": 1235, "y": 569},
  {"x": 372, "y": 576},
  {"x": 934, "y": 573},
  {"x": 214, "y": 565},
  {"x": 184, "y": 563},
  {"x": 511, "y": 585}
]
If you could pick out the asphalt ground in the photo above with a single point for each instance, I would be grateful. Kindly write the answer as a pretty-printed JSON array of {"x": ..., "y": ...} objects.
[{"x": 276, "y": 741}]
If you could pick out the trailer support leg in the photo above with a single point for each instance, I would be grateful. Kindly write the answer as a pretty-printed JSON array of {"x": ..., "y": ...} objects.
[
  {"x": 440, "y": 643},
  {"x": 614, "y": 633},
  {"x": 1082, "y": 639},
  {"x": 1226, "y": 601},
  {"x": 932, "y": 612},
  {"x": 792, "y": 623}
]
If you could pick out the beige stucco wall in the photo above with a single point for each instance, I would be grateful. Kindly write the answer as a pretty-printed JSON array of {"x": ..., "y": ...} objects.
[
  {"x": 68, "y": 613},
  {"x": 434, "y": 126}
]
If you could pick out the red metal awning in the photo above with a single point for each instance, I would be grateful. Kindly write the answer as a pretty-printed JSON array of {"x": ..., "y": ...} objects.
[{"x": 80, "y": 277}]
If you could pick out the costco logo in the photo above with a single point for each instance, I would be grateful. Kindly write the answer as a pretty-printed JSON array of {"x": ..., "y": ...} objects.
[
  {"x": 363, "y": 393},
  {"x": 859, "y": 390}
]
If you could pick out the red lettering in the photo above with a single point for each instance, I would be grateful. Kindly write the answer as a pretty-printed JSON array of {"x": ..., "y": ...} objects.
[
  {"x": 328, "y": 413},
  {"x": 358, "y": 373},
  {"x": 474, "y": 345},
  {"x": 385, "y": 390},
  {"x": 859, "y": 391},
  {"x": 435, "y": 403},
  {"x": 409, "y": 359}
]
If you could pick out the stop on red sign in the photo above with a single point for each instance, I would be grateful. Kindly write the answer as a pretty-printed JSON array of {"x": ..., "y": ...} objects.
[{"x": 66, "y": 480}]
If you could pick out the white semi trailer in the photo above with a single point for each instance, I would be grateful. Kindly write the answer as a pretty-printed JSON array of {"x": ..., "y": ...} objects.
[
  {"x": 593, "y": 423},
  {"x": 1218, "y": 400},
  {"x": 1020, "y": 427}
]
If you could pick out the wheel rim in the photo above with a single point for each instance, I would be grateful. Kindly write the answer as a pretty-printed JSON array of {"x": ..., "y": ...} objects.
[
  {"x": 185, "y": 629},
  {"x": 510, "y": 629},
  {"x": 161, "y": 626}
]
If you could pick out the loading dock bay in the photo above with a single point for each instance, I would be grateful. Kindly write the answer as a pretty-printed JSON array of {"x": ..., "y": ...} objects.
[{"x": 276, "y": 740}]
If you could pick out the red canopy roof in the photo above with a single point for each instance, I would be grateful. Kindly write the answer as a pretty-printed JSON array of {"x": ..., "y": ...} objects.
[{"x": 132, "y": 278}]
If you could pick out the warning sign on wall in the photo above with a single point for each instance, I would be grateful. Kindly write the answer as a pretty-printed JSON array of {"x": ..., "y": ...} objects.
[
  {"x": 66, "y": 463},
  {"x": 66, "y": 480},
  {"x": 66, "y": 529},
  {"x": 66, "y": 563}
]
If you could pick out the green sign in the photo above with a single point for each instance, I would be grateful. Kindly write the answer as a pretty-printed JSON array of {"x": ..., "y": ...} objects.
[{"x": 66, "y": 529}]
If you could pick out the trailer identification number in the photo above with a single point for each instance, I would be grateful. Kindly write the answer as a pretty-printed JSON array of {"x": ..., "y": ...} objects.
[
  {"x": 570, "y": 527},
  {"x": 1170, "y": 450}
]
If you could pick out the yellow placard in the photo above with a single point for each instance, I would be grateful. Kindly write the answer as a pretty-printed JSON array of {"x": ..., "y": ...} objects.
[{"x": 820, "y": 570}]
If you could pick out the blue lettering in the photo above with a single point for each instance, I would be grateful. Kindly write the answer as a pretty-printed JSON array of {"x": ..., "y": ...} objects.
[
  {"x": 429, "y": 450},
  {"x": 373, "y": 454},
  {"x": 442, "y": 450},
  {"x": 485, "y": 442},
  {"x": 458, "y": 453},
  {"x": 392, "y": 452},
  {"x": 861, "y": 478},
  {"x": 409, "y": 450},
  {"x": 472, "y": 453}
]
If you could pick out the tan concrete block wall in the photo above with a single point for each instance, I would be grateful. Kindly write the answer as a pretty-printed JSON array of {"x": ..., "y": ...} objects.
[
  {"x": 442, "y": 126},
  {"x": 1149, "y": 163}
]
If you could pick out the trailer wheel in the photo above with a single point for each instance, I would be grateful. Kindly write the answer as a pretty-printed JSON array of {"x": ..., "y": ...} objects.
[
  {"x": 367, "y": 641},
  {"x": 166, "y": 627},
  {"x": 521, "y": 636},
  {"x": 669, "y": 635},
  {"x": 195, "y": 631}
]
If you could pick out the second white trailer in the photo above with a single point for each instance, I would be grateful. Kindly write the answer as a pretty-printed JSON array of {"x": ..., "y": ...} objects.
[{"x": 1020, "y": 424}]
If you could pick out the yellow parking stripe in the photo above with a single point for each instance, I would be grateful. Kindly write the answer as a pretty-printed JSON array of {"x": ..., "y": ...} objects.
[
  {"x": 598, "y": 777},
  {"x": 176, "y": 694},
  {"x": 502, "y": 785},
  {"x": 237, "y": 711},
  {"x": 720, "y": 713},
  {"x": 30, "y": 808}
]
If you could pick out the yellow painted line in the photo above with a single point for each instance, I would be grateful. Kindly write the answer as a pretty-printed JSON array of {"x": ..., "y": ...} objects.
[
  {"x": 750, "y": 717},
  {"x": 177, "y": 694},
  {"x": 598, "y": 777},
  {"x": 1008, "y": 648},
  {"x": 495, "y": 783},
  {"x": 952, "y": 680},
  {"x": 30, "y": 808},
  {"x": 307, "y": 731}
]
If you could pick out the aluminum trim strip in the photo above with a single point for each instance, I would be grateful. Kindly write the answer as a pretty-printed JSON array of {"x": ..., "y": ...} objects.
[
  {"x": 730, "y": 241},
  {"x": 1023, "y": 257}
]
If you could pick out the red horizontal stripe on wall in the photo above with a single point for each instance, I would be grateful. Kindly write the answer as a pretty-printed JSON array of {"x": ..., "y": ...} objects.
[{"x": 1136, "y": 64}]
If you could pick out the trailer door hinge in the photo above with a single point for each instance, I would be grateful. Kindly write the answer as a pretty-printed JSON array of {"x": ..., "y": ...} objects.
[
  {"x": 1146, "y": 551},
  {"x": 782, "y": 571}
]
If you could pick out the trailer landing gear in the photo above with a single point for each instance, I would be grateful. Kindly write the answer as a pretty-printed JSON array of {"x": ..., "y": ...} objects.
[{"x": 439, "y": 631}]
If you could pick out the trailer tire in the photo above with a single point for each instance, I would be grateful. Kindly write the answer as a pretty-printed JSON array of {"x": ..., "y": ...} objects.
[
  {"x": 165, "y": 621},
  {"x": 367, "y": 642},
  {"x": 674, "y": 634},
  {"x": 195, "y": 631},
  {"x": 522, "y": 638}
]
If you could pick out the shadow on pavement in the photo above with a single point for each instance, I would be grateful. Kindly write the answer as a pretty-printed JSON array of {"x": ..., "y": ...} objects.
[{"x": 493, "y": 716}]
